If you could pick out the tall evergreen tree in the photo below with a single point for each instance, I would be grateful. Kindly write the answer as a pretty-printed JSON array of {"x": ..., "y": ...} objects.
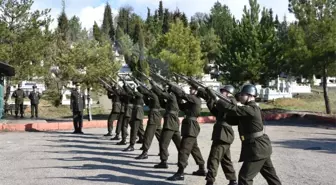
[
  {"x": 184, "y": 19},
  {"x": 107, "y": 25},
  {"x": 160, "y": 11},
  {"x": 63, "y": 24},
  {"x": 97, "y": 32},
  {"x": 165, "y": 25}
]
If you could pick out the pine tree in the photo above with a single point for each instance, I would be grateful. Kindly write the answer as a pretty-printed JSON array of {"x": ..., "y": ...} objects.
[
  {"x": 97, "y": 32},
  {"x": 165, "y": 25},
  {"x": 107, "y": 25},
  {"x": 184, "y": 19},
  {"x": 137, "y": 31},
  {"x": 160, "y": 11},
  {"x": 63, "y": 24}
]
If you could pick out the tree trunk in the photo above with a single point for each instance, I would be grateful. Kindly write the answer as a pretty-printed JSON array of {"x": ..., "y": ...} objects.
[
  {"x": 89, "y": 104},
  {"x": 325, "y": 90}
]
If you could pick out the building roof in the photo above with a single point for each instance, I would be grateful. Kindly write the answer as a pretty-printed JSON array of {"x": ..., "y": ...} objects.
[{"x": 6, "y": 69}]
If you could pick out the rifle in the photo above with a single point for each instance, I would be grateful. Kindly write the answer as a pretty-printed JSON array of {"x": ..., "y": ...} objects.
[
  {"x": 105, "y": 84},
  {"x": 138, "y": 82},
  {"x": 150, "y": 79},
  {"x": 162, "y": 79},
  {"x": 199, "y": 84}
]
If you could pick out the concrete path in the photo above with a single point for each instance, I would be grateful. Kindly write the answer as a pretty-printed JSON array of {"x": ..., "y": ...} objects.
[{"x": 303, "y": 154}]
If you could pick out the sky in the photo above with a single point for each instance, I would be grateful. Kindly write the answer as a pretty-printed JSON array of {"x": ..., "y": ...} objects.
[{"x": 92, "y": 10}]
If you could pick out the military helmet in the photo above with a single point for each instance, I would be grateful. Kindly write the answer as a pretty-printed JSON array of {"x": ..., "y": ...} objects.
[
  {"x": 34, "y": 86},
  {"x": 228, "y": 88},
  {"x": 250, "y": 90}
]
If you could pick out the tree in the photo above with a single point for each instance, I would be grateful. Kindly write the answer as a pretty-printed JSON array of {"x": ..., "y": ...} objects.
[
  {"x": 165, "y": 25},
  {"x": 160, "y": 11},
  {"x": 63, "y": 25},
  {"x": 97, "y": 32},
  {"x": 181, "y": 50},
  {"x": 184, "y": 19},
  {"x": 25, "y": 38},
  {"x": 210, "y": 44},
  {"x": 107, "y": 25},
  {"x": 75, "y": 31},
  {"x": 316, "y": 32}
]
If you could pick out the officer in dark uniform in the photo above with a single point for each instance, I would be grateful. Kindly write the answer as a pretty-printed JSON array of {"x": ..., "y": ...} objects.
[
  {"x": 222, "y": 138},
  {"x": 137, "y": 117},
  {"x": 256, "y": 146},
  {"x": 77, "y": 105},
  {"x": 116, "y": 107},
  {"x": 19, "y": 96},
  {"x": 171, "y": 125},
  {"x": 189, "y": 130},
  {"x": 154, "y": 120},
  {"x": 34, "y": 97}
]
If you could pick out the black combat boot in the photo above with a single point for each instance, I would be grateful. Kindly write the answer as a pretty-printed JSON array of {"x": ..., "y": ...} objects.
[
  {"x": 130, "y": 148},
  {"x": 116, "y": 137},
  {"x": 162, "y": 164},
  {"x": 209, "y": 183},
  {"x": 233, "y": 182},
  {"x": 108, "y": 134},
  {"x": 201, "y": 171},
  {"x": 178, "y": 176},
  {"x": 144, "y": 155},
  {"x": 122, "y": 142},
  {"x": 140, "y": 141}
]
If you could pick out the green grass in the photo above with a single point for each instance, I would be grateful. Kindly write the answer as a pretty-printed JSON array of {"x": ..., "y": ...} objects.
[{"x": 313, "y": 102}]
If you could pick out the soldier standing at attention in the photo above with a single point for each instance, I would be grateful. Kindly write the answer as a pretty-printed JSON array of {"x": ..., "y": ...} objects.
[
  {"x": 77, "y": 105},
  {"x": 121, "y": 93},
  {"x": 34, "y": 97},
  {"x": 19, "y": 96},
  {"x": 222, "y": 138},
  {"x": 116, "y": 107},
  {"x": 154, "y": 120},
  {"x": 171, "y": 125},
  {"x": 137, "y": 117},
  {"x": 256, "y": 146},
  {"x": 190, "y": 129}
]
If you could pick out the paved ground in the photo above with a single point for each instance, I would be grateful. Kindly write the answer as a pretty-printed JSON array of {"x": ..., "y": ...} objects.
[{"x": 304, "y": 154}]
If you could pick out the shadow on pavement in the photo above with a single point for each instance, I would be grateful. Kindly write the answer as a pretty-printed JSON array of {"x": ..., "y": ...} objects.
[
  {"x": 326, "y": 145},
  {"x": 301, "y": 122}
]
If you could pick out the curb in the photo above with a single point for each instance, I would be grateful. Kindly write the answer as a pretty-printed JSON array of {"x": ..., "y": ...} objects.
[{"x": 103, "y": 123}]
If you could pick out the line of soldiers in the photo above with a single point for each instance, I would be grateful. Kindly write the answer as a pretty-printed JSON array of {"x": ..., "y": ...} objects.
[{"x": 256, "y": 149}]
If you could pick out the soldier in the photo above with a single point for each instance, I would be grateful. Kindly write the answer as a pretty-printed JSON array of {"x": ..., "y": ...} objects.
[
  {"x": 189, "y": 130},
  {"x": 154, "y": 120},
  {"x": 137, "y": 117},
  {"x": 256, "y": 146},
  {"x": 171, "y": 125},
  {"x": 34, "y": 97},
  {"x": 77, "y": 105},
  {"x": 127, "y": 97},
  {"x": 19, "y": 96},
  {"x": 116, "y": 107},
  {"x": 222, "y": 138},
  {"x": 120, "y": 92}
]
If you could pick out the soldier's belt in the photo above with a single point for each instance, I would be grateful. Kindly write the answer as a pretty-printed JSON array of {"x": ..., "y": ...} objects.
[
  {"x": 172, "y": 112},
  {"x": 155, "y": 110},
  {"x": 130, "y": 105},
  {"x": 191, "y": 118},
  {"x": 138, "y": 106},
  {"x": 117, "y": 103},
  {"x": 251, "y": 136}
]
